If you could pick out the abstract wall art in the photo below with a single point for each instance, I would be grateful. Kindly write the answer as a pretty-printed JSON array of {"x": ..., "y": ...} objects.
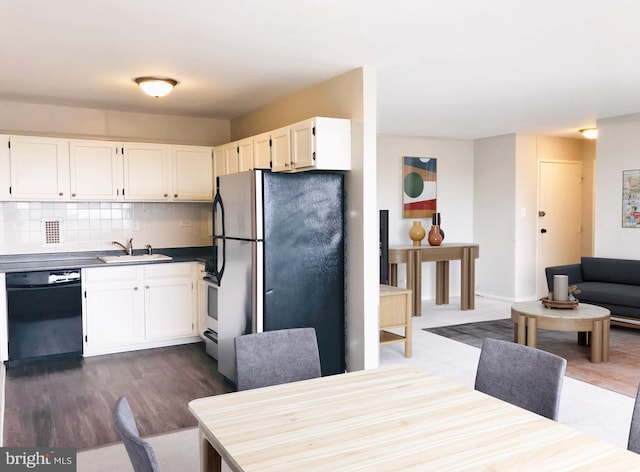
[{"x": 419, "y": 185}]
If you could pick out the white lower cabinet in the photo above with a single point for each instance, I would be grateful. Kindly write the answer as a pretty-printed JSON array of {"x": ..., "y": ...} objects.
[
  {"x": 203, "y": 296},
  {"x": 113, "y": 308},
  {"x": 169, "y": 300},
  {"x": 138, "y": 307}
]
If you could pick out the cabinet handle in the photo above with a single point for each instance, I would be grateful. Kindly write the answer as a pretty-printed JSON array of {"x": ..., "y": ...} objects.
[
  {"x": 166, "y": 195},
  {"x": 175, "y": 195},
  {"x": 61, "y": 194},
  {"x": 135, "y": 288},
  {"x": 147, "y": 287},
  {"x": 73, "y": 194}
]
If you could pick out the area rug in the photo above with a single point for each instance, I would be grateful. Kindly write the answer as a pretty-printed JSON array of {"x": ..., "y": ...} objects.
[{"x": 621, "y": 374}]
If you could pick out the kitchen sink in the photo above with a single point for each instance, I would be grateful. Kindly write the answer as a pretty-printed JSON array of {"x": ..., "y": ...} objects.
[{"x": 137, "y": 258}]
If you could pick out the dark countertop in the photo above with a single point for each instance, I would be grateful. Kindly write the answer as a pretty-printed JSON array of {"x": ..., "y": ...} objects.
[{"x": 79, "y": 260}]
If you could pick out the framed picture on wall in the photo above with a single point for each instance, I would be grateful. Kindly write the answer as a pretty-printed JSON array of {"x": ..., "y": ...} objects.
[
  {"x": 419, "y": 187},
  {"x": 631, "y": 198}
]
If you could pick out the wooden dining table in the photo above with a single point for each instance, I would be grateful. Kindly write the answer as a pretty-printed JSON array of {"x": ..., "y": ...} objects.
[{"x": 398, "y": 418}]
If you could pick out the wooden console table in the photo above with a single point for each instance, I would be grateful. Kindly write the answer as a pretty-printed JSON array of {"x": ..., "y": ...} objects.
[
  {"x": 395, "y": 312},
  {"x": 414, "y": 256}
]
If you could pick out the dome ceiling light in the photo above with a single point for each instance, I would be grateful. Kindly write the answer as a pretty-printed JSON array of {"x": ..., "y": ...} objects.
[
  {"x": 589, "y": 133},
  {"x": 156, "y": 86}
]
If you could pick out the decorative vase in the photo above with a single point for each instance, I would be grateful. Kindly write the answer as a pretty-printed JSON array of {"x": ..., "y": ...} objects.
[
  {"x": 435, "y": 221},
  {"x": 417, "y": 233},
  {"x": 435, "y": 238}
]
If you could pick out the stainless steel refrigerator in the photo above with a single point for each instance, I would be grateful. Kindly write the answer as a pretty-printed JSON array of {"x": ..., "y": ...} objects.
[{"x": 278, "y": 259}]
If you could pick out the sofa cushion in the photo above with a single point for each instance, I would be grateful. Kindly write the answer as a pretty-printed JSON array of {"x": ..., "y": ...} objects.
[
  {"x": 615, "y": 271},
  {"x": 613, "y": 294}
]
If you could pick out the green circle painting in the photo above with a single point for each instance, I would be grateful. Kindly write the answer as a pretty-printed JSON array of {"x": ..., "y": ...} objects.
[{"x": 413, "y": 184}]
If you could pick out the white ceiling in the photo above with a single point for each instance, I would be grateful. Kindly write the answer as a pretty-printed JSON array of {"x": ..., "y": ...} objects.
[{"x": 452, "y": 69}]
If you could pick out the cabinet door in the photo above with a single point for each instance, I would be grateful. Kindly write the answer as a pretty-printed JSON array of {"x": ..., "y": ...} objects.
[
  {"x": 231, "y": 157},
  {"x": 39, "y": 168},
  {"x": 113, "y": 309},
  {"x": 262, "y": 151},
  {"x": 219, "y": 165},
  {"x": 5, "y": 169},
  {"x": 147, "y": 173},
  {"x": 202, "y": 304},
  {"x": 169, "y": 301},
  {"x": 4, "y": 339},
  {"x": 280, "y": 150},
  {"x": 302, "y": 145},
  {"x": 95, "y": 170},
  {"x": 245, "y": 155},
  {"x": 192, "y": 173}
]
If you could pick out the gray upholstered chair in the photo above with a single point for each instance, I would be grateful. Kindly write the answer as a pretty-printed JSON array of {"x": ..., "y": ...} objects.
[
  {"x": 521, "y": 375},
  {"x": 634, "y": 432},
  {"x": 276, "y": 357},
  {"x": 141, "y": 454}
]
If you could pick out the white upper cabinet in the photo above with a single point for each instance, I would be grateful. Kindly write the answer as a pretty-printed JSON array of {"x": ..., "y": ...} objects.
[
  {"x": 219, "y": 163},
  {"x": 39, "y": 168},
  {"x": 192, "y": 173},
  {"x": 321, "y": 143},
  {"x": 262, "y": 151},
  {"x": 231, "y": 158},
  {"x": 281, "y": 150},
  {"x": 245, "y": 155},
  {"x": 147, "y": 172},
  {"x": 5, "y": 168},
  {"x": 95, "y": 170},
  {"x": 315, "y": 144}
]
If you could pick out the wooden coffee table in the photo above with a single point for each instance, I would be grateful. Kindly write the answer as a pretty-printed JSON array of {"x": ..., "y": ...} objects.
[{"x": 589, "y": 321}]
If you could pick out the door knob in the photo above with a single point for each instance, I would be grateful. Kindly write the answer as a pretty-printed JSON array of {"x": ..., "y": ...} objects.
[{"x": 543, "y": 230}]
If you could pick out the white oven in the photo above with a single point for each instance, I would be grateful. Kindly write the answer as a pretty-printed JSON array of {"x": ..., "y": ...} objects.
[{"x": 211, "y": 333}]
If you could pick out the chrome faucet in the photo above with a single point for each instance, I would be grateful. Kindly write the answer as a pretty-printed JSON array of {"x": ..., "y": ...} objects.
[
  {"x": 128, "y": 248},
  {"x": 149, "y": 249}
]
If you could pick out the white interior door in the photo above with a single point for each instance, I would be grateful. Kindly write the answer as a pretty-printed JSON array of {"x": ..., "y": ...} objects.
[{"x": 560, "y": 216}]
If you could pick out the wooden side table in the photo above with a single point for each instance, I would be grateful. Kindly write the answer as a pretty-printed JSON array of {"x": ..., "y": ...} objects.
[{"x": 395, "y": 312}]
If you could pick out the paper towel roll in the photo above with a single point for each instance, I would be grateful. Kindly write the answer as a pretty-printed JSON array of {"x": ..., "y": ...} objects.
[{"x": 560, "y": 288}]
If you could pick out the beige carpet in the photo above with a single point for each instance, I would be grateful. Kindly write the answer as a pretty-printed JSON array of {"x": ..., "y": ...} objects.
[{"x": 621, "y": 374}]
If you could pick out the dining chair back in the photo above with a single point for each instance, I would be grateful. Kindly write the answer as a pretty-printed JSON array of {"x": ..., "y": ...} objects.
[
  {"x": 634, "y": 431},
  {"x": 521, "y": 375},
  {"x": 276, "y": 357},
  {"x": 141, "y": 454}
]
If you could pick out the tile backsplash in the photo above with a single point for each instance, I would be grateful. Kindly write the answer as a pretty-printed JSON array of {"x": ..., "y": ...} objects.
[{"x": 30, "y": 227}]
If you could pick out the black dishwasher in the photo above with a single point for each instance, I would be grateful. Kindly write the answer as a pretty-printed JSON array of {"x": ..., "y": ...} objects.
[{"x": 44, "y": 315}]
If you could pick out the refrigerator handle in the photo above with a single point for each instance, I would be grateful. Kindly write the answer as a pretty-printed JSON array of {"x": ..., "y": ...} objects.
[{"x": 217, "y": 203}]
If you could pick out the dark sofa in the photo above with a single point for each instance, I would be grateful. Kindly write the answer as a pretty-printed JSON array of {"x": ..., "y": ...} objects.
[{"x": 610, "y": 283}]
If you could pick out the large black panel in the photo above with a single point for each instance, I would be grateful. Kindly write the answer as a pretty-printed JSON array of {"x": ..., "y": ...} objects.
[
  {"x": 384, "y": 247},
  {"x": 304, "y": 259}
]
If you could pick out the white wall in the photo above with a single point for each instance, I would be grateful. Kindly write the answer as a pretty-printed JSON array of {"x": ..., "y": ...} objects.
[
  {"x": 89, "y": 123},
  {"x": 526, "y": 218},
  {"x": 494, "y": 210},
  {"x": 351, "y": 95},
  {"x": 454, "y": 193},
  {"x": 617, "y": 149}
]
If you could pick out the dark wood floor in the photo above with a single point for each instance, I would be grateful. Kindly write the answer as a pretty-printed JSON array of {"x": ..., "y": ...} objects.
[{"x": 69, "y": 402}]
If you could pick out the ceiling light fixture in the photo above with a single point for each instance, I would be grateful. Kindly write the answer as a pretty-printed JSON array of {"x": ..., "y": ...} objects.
[
  {"x": 589, "y": 133},
  {"x": 156, "y": 86}
]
